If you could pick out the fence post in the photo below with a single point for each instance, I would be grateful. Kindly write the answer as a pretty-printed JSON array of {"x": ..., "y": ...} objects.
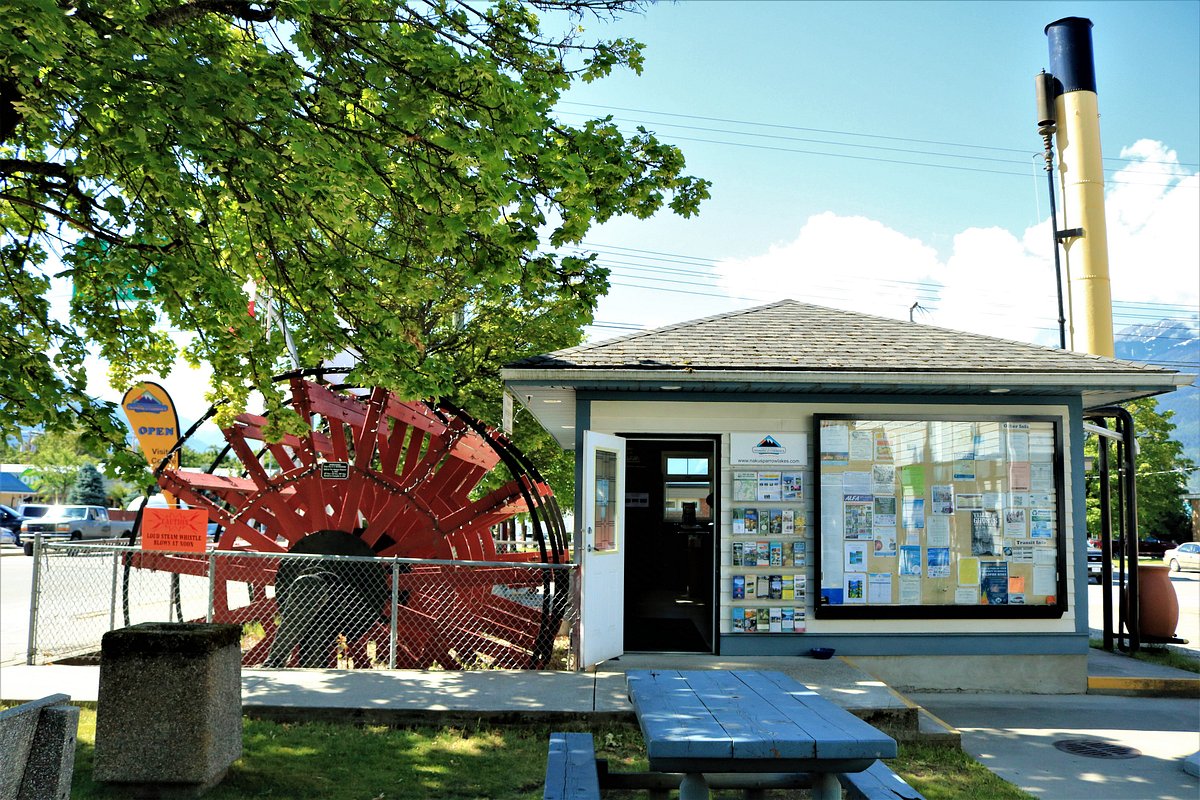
[
  {"x": 112, "y": 595},
  {"x": 212, "y": 584},
  {"x": 33, "y": 600},
  {"x": 392, "y": 626}
]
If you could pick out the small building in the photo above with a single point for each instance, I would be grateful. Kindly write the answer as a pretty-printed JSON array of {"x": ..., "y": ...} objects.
[
  {"x": 13, "y": 490},
  {"x": 787, "y": 477}
]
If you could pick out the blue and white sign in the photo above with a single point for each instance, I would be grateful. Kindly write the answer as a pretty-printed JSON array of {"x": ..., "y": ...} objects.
[{"x": 774, "y": 449}]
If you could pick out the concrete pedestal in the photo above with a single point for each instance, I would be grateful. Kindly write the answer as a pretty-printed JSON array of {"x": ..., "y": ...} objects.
[{"x": 169, "y": 710}]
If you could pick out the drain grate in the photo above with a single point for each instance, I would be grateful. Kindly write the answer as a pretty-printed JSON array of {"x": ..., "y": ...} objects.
[{"x": 1091, "y": 748}]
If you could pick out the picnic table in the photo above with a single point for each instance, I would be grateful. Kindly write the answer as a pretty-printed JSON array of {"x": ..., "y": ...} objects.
[{"x": 749, "y": 721}]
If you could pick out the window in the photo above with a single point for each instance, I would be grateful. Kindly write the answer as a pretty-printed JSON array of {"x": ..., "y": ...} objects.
[
  {"x": 958, "y": 517},
  {"x": 686, "y": 486}
]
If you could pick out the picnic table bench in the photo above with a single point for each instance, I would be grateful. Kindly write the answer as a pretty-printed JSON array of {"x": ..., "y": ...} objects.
[
  {"x": 718, "y": 721},
  {"x": 571, "y": 768}
]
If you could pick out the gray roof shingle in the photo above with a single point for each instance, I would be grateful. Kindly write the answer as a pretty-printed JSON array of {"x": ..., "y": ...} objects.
[{"x": 789, "y": 336}]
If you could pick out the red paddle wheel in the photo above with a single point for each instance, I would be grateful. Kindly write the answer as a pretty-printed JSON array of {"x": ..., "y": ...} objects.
[{"x": 373, "y": 478}]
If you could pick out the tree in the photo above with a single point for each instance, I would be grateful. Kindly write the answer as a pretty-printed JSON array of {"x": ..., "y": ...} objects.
[
  {"x": 55, "y": 463},
  {"x": 377, "y": 177},
  {"x": 89, "y": 488},
  {"x": 1162, "y": 476}
]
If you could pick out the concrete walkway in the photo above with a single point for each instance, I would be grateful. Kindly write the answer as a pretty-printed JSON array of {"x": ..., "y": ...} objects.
[{"x": 1013, "y": 735}]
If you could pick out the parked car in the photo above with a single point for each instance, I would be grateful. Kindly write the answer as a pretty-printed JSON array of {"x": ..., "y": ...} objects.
[
  {"x": 10, "y": 525},
  {"x": 71, "y": 522},
  {"x": 1153, "y": 547},
  {"x": 1185, "y": 556},
  {"x": 1095, "y": 563},
  {"x": 32, "y": 510}
]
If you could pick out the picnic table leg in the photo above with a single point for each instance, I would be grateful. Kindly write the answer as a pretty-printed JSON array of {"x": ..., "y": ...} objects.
[
  {"x": 825, "y": 786},
  {"x": 693, "y": 787}
]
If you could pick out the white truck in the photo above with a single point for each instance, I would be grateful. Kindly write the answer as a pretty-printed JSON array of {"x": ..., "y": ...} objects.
[{"x": 71, "y": 522}]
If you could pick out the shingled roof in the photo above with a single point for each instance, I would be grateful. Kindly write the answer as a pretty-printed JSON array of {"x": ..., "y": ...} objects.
[
  {"x": 795, "y": 349},
  {"x": 789, "y": 336}
]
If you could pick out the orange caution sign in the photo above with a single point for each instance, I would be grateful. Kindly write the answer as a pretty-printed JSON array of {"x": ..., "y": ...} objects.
[{"x": 181, "y": 530}]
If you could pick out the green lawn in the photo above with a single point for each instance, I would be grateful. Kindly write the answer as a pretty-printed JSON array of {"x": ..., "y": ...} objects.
[{"x": 316, "y": 760}]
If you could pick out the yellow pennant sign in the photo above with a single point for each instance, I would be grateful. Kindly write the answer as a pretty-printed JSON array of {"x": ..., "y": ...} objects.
[{"x": 155, "y": 424}]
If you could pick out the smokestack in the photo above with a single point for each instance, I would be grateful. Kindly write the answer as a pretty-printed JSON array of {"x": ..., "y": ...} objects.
[{"x": 1084, "y": 235}]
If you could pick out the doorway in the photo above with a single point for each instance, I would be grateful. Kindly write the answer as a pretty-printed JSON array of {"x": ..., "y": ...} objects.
[{"x": 670, "y": 515}]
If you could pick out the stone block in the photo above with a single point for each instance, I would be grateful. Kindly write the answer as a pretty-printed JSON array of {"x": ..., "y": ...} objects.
[
  {"x": 169, "y": 710},
  {"x": 51, "y": 762},
  {"x": 35, "y": 739}
]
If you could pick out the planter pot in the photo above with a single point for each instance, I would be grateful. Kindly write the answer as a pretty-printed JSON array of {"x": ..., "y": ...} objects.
[{"x": 1158, "y": 605}]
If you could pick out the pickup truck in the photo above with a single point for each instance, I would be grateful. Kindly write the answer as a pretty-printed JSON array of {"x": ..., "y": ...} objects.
[{"x": 71, "y": 522}]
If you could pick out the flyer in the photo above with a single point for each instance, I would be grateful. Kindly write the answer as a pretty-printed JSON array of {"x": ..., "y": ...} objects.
[
  {"x": 985, "y": 533},
  {"x": 883, "y": 447},
  {"x": 964, "y": 470},
  {"x": 770, "y": 486},
  {"x": 969, "y": 502},
  {"x": 910, "y": 560},
  {"x": 914, "y": 513},
  {"x": 1018, "y": 476},
  {"x": 937, "y": 532},
  {"x": 857, "y": 516},
  {"x": 884, "y": 515},
  {"x": 745, "y": 486},
  {"x": 856, "y": 556},
  {"x": 856, "y": 482},
  {"x": 942, "y": 499},
  {"x": 966, "y": 595},
  {"x": 793, "y": 487},
  {"x": 910, "y": 590},
  {"x": 885, "y": 541},
  {"x": 883, "y": 479},
  {"x": 968, "y": 572},
  {"x": 835, "y": 444},
  {"x": 879, "y": 588},
  {"x": 938, "y": 562},
  {"x": 912, "y": 478},
  {"x": 994, "y": 582},
  {"x": 1014, "y": 523},
  {"x": 862, "y": 446},
  {"x": 855, "y": 587}
]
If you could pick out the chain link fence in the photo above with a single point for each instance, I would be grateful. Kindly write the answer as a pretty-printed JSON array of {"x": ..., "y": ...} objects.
[{"x": 317, "y": 611}]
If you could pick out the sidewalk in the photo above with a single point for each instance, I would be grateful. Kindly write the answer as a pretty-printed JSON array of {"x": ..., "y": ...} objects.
[{"x": 1013, "y": 735}]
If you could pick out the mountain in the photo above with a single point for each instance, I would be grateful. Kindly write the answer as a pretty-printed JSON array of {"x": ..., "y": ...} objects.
[{"x": 1175, "y": 344}]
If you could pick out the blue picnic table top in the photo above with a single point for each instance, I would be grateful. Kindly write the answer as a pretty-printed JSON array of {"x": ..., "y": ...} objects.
[{"x": 748, "y": 721}]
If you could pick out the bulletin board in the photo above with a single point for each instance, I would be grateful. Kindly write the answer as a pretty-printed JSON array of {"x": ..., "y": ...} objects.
[{"x": 919, "y": 516}]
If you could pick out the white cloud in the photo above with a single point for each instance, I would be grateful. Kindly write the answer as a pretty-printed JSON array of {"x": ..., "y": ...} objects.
[
  {"x": 843, "y": 262},
  {"x": 994, "y": 281}
]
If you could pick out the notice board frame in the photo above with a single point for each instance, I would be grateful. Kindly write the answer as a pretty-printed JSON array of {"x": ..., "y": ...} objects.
[{"x": 822, "y": 609}]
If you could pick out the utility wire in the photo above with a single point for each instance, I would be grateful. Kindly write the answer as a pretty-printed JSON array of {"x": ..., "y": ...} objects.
[{"x": 829, "y": 131}]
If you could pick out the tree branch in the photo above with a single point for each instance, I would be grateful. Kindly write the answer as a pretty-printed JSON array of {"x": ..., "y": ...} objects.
[{"x": 240, "y": 9}]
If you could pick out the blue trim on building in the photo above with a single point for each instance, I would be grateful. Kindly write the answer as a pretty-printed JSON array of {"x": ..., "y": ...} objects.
[
  {"x": 825, "y": 399},
  {"x": 1079, "y": 514},
  {"x": 907, "y": 644},
  {"x": 583, "y": 419}
]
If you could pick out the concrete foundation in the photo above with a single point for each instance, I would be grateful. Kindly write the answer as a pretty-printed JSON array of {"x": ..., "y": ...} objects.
[
  {"x": 1026, "y": 674},
  {"x": 169, "y": 710}
]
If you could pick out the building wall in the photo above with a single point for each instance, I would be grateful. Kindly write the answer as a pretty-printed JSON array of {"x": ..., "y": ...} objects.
[{"x": 887, "y": 638}]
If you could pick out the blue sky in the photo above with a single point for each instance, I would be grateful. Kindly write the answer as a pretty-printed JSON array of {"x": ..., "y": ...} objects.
[{"x": 872, "y": 155}]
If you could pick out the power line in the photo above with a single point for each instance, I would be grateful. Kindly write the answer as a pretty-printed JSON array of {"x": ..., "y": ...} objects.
[{"x": 833, "y": 132}]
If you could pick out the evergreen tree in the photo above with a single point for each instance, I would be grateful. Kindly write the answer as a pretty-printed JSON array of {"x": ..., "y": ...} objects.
[
  {"x": 89, "y": 488},
  {"x": 1162, "y": 476}
]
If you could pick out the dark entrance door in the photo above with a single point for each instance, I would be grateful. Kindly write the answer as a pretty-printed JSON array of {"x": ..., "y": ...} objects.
[{"x": 669, "y": 561}]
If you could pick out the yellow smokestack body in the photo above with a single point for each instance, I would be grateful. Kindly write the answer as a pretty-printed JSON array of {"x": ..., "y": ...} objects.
[{"x": 1081, "y": 173}]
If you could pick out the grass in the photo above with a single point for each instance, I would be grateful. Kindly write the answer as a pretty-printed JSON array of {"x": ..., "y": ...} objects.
[
  {"x": 1154, "y": 654},
  {"x": 331, "y": 761}
]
